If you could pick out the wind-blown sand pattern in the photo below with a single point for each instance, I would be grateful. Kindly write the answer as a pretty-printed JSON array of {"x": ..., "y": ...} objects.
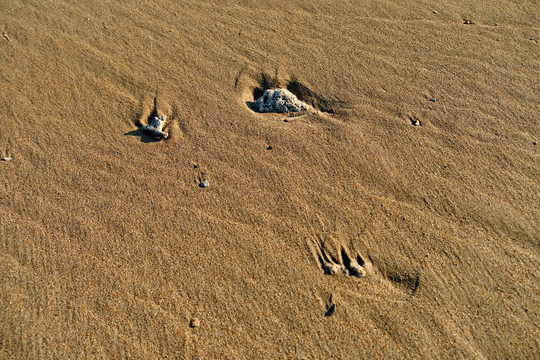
[{"x": 109, "y": 248}]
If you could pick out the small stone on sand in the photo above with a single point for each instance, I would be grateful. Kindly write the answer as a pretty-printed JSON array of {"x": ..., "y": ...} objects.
[
  {"x": 195, "y": 323},
  {"x": 416, "y": 123},
  {"x": 432, "y": 99},
  {"x": 204, "y": 184},
  {"x": 535, "y": 142}
]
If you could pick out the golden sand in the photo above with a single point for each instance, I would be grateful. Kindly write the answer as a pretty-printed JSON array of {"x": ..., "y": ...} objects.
[{"x": 109, "y": 248}]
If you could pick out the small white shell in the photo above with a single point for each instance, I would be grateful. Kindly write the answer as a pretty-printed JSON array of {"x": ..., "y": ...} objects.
[
  {"x": 204, "y": 184},
  {"x": 7, "y": 158}
]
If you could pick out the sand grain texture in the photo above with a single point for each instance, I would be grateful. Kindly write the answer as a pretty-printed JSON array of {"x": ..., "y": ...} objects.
[{"x": 109, "y": 247}]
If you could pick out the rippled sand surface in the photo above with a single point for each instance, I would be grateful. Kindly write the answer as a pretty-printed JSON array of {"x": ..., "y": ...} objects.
[{"x": 398, "y": 217}]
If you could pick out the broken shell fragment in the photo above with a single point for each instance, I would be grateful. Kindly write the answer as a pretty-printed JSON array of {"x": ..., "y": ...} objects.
[{"x": 156, "y": 127}]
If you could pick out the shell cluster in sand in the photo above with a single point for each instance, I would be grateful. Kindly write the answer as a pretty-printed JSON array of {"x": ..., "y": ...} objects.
[{"x": 279, "y": 101}]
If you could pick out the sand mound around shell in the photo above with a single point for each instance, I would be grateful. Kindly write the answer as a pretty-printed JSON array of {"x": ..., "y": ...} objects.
[{"x": 279, "y": 101}]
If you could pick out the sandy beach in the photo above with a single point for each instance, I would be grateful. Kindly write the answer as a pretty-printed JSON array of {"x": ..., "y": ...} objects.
[{"x": 397, "y": 218}]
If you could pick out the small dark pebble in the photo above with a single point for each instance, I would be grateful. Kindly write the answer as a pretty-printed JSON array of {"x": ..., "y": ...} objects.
[
  {"x": 535, "y": 142},
  {"x": 269, "y": 148},
  {"x": 432, "y": 99}
]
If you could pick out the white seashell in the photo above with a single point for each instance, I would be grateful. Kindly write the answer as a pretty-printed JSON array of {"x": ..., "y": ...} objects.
[
  {"x": 204, "y": 184},
  {"x": 7, "y": 158},
  {"x": 156, "y": 127}
]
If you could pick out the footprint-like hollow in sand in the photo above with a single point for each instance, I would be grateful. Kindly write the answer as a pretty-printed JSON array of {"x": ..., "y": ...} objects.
[
  {"x": 342, "y": 263},
  {"x": 330, "y": 307}
]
